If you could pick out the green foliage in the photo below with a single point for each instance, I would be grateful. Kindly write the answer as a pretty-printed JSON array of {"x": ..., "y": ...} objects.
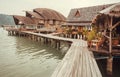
[
  {"x": 85, "y": 31},
  {"x": 91, "y": 35}
]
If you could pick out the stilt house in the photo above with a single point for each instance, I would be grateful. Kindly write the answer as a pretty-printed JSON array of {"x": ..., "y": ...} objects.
[
  {"x": 43, "y": 19},
  {"x": 81, "y": 18},
  {"x": 47, "y": 19}
]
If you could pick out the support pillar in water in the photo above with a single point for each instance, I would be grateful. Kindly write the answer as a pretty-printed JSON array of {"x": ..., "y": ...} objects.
[{"x": 109, "y": 66}]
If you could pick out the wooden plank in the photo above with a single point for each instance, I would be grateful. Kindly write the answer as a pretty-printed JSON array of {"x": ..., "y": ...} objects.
[{"x": 78, "y": 62}]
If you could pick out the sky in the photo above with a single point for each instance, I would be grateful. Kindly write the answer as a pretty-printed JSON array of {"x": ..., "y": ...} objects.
[{"x": 18, "y": 7}]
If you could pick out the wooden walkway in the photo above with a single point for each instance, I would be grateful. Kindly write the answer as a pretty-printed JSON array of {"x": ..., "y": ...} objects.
[
  {"x": 78, "y": 61},
  {"x": 49, "y": 36}
]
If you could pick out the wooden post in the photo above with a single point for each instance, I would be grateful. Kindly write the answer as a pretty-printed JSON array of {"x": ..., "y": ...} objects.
[
  {"x": 110, "y": 42},
  {"x": 55, "y": 43},
  {"x": 46, "y": 40},
  {"x": 40, "y": 38},
  {"x": 58, "y": 47},
  {"x": 110, "y": 59},
  {"x": 109, "y": 66},
  {"x": 8, "y": 32}
]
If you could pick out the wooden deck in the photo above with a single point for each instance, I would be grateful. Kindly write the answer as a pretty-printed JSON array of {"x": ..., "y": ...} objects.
[
  {"x": 115, "y": 51},
  {"x": 49, "y": 36},
  {"x": 78, "y": 61}
]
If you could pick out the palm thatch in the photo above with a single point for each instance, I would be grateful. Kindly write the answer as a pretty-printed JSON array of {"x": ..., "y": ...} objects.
[
  {"x": 21, "y": 20},
  {"x": 49, "y": 14},
  {"x": 113, "y": 10},
  {"x": 84, "y": 15},
  {"x": 103, "y": 19},
  {"x": 33, "y": 15}
]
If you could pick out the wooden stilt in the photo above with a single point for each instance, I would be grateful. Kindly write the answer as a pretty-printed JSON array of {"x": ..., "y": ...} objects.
[
  {"x": 58, "y": 45},
  {"x": 8, "y": 32},
  {"x": 55, "y": 44},
  {"x": 110, "y": 59},
  {"x": 109, "y": 66}
]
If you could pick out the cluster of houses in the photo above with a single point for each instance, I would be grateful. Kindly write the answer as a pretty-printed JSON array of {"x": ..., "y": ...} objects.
[
  {"x": 40, "y": 19},
  {"x": 99, "y": 25},
  {"x": 44, "y": 19},
  {"x": 86, "y": 23}
]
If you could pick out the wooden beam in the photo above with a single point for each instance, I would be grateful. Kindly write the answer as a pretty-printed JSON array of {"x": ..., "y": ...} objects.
[
  {"x": 104, "y": 34},
  {"x": 110, "y": 36},
  {"x": 115, "y": 25}
]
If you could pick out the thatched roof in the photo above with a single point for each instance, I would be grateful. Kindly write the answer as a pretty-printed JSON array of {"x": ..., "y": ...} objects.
[
  {"x": 49, "y": 14},
  {"x": 113, "y": 10},
  {"x": 34, "y": 14},
  {"x": 21, "y": 20},
  {"x": 104, "y": 17},
  {"x": 85, "y": 13}
]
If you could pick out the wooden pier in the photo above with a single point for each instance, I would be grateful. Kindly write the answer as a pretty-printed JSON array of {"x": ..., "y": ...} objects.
[{"x": 75, "y": 46}]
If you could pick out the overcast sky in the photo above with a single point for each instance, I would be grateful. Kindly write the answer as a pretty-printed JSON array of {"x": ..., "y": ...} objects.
[{"x": 17, "y": 7}]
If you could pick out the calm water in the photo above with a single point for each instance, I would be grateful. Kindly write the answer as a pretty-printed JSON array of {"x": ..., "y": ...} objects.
[{"x": 21, "y": 57}]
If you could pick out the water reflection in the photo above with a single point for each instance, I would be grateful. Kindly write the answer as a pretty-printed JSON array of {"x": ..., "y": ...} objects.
[
  {"x": 21, "y": 57},
  {"x": 36, "y": 49}
]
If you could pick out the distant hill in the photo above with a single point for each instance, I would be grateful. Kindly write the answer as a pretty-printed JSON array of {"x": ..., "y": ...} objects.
[{"x": 6, "y": 20}]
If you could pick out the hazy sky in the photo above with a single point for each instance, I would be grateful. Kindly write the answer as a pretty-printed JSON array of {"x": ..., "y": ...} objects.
[{"x": 17, "y": 7}]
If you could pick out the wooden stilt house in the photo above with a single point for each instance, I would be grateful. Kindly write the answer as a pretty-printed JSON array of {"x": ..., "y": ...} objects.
[
  {"x": 25, "y": 23},
  {"x": 48, "y": 19},
  {"x": 41, "y": 19},
  {"x": 80, "y": 19},
  {"x": 108, "y": 23}
]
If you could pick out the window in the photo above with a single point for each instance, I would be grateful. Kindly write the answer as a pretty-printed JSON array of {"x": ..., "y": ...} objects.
[{"x": 77, "y": 14}]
